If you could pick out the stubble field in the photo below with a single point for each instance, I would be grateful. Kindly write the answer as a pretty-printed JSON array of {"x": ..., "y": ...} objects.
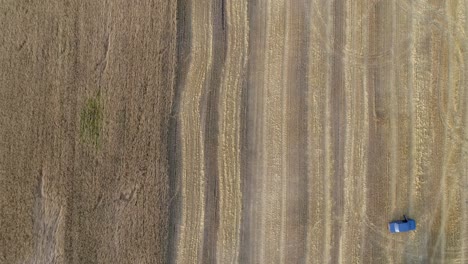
[{"x": 233, "y": 131}]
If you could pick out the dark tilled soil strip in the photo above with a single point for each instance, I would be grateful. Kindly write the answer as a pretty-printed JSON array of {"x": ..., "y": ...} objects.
[
  {"x": 337, "y": 101},
  {"x": 249, "y": 147},
  {"x": 297, "y": 179},
  {"x": 183, "y": 53}
]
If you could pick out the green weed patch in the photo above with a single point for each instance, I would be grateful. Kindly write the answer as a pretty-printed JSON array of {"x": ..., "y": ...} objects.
[{"x": 91, "y": 121}]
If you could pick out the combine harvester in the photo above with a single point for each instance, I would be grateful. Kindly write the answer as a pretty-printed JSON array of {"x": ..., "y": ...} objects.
[{"x": 402, "y": 225}]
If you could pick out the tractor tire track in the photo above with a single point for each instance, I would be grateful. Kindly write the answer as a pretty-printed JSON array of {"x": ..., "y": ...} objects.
[
  {"x": 229, "y": 156},
  {"x": 295, "y": 179},
  {"x": 253, "y": 140},
  {"x": 191, "y": 228},
  {"x": 356, "y": 113}
]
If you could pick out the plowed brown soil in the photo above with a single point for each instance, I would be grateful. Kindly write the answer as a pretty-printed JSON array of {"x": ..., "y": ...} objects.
[{"x": 239, "y": 131}]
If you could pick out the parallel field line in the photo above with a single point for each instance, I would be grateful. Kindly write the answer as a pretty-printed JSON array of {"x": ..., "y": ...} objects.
[
  {"x": 317, "y": 105},
  {"x": 348, "y": 159},
  {"x": 328, "y": 147},
  {"x": 365, "y": 117},
  {"x": 190, "y": 240},
  {"x": 284, "y": 132},
  {"x": 230, "y": 200},
  {"x": 394, "y": 144},
  {"x": 446, "y": 154},
  {"x": 464, "y": 166}
]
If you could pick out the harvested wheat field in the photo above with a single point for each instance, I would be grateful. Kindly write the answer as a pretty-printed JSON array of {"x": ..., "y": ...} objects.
[{"x": 243, "y": 131}]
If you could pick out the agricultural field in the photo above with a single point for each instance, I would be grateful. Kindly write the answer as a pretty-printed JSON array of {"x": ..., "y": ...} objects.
[{"x": 243, "y": 131}]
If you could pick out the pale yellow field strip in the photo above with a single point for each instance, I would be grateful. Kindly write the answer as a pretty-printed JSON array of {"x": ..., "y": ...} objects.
[
  {"x": 401, "y": 48},
  {"x": 422, "y": 143},
  {"x": 190, "y": 240},
  {"x": 410, "y": 88},
  {"x": 453, "y": 241},
  {"x": 230, "y": 196},
  {"x": 450, "y": 241},
  {"x": 363, "y": 153},
  {"x": 284, "y": 129},
  {"x": 318, "y": 129},
  {"x": 430, "y": 142},
  {"x": 327, "y": 147},
  {"x": 317, "y": 79},
  {"x": 357, "y": 129},
  {"x": 393, "y": 114},
  {"x": 438, "y": 251},
  {"x": 464, "y": 165},
  {"x": 273, "y": 133},
  {"x": 348, "y": 57},
  {"x": 462, "y": 26},
  {"x": 402, "y": 82},
  {"x": 393, "y": 123}
]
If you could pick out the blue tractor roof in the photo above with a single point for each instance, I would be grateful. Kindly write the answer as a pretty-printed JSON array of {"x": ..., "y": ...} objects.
[{"x": 402, "y": 226}]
